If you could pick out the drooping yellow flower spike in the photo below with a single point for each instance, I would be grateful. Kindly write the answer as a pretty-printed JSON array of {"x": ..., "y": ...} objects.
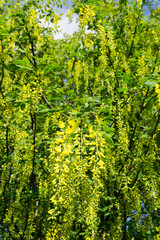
[
  {"x": 86, "y": 15},
  {"x": 70, "y": 14},
  {"x": 56, "y": 20},
  {"x": 157, "y": 90}
]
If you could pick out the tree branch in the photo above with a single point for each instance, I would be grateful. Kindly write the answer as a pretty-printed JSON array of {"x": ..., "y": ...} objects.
[
  {"x": 2, "y": 77},
  {"x": 45, "y": 100},
  {"x": 31, "y": 42}
]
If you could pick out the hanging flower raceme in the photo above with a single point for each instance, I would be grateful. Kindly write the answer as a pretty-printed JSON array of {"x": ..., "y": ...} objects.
[
  {"x": 157, "y": 90},
  {"x": 77, "y": 155},
  {"x": 86, "y": 15}
]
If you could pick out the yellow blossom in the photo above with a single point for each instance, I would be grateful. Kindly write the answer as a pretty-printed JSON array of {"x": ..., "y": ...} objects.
[
  {"x": 68, "y": 130},
  {"x": 73, "y": 124},
  {"x": 58, "y": 149},
  {"x": 70, "y": 13},
  {"x": 61, "y": 124},
  {"x": 90, "y": 128},
  {"x": 59, "y": 140},
  {"x": 65, "y": 152}
]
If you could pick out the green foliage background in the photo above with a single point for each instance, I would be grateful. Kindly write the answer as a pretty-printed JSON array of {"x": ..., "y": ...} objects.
[{"x": 79, "y": 121}]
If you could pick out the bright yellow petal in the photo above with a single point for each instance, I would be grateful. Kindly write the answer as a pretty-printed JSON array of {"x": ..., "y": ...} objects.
[{"x": 61, "y": 124}]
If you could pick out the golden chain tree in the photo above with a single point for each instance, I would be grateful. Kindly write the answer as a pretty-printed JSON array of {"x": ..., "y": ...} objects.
[{"x": 79, "y": 122}]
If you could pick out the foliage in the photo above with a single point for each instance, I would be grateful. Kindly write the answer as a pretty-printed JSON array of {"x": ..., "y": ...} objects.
[{"x": 79, "y": 121}]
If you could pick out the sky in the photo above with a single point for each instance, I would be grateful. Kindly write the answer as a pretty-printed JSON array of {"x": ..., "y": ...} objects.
[
  {"x": 70, "y": 28},
  {"x": 65, "y": 26}
]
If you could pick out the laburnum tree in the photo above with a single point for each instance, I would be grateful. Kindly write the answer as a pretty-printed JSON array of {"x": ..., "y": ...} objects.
[{"x": 79, "y": 121}]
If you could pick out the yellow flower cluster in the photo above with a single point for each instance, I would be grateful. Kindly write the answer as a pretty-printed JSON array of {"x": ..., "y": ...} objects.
[
  {"x": 70, "y": 14},
  {"x": 111, "y": 42},
  {"x": 74, "y": 152},
  {"x": 81, "y": 69},
  {"x": 86, "y": 15},
  {"x": 158, "y": 92},
  {"x": 102, "y": 37},
  {"x": 88, "y": 43},
  {"x": 78, "y": 70},
  {"x": 142, "y": 67},
  {"x": 32, "y": 13},
  {"x": 56, "y": 20},
  {"x": 156, "y": 38},
  {"x": 126, "y": 65},
  {"x": 70, "y": 65},
  {"x": 72, "y": 126},
  {"x": 86, "y": 76}
]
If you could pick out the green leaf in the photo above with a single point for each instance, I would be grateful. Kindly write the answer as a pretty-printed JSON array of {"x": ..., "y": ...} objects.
[
  {"x": 158, "y": 139},
  {"x": 23, "y": 64},
  {"x": 149, "y": 104},
  {"x": 107, "y": 128},
  {"x": 22, "y": 106},
  {"x": 104, "y": 209},
  {"x": 44, "y": 110},
  {"x": 109, "y": 198},
  {"x": 150, "y": 83},
  {"x": 108, "y": 138},
  {"x": 82, "y": 233},
  {"x": 53, "y": 67},
  {"x": 24, "y": 67},
  {"x": 92, "y": 99},
  {"x": 106, "y": 214},
  {"x": 121, "y": 89}
]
